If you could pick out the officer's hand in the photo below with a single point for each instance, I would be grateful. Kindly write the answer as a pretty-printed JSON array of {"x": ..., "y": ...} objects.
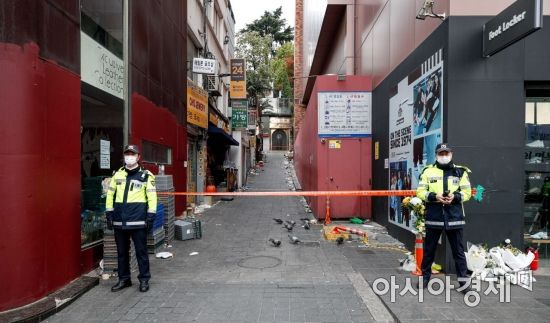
[
  {"x": 149, "y": 222},
  {"x": 449, "y": 199},
  {"x": 440, "y": 198}
]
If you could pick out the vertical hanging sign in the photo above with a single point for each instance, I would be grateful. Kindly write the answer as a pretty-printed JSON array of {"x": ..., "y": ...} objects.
[{"x": 237, "y": 86}]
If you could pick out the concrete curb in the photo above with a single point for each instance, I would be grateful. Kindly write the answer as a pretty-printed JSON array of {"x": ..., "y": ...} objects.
[
  {"x": 375, "y": 305},
  {"x": 51, "y": 304}
]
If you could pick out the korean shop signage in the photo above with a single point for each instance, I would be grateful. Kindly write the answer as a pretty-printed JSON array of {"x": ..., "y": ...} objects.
[
  {"x": 239, "y": 115},
  {"x": 237, "y": 87},
  {"x": 517, "y": 21},
  {"x": 204, "y": 66},
  {"x": 197, "y": 105}
]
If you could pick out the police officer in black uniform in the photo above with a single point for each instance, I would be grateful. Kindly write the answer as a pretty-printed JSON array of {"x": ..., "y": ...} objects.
[{"x": 130, "y": 209}]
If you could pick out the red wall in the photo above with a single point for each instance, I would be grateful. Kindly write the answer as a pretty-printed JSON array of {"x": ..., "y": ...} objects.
[
  {"x": 159, "y": 125},
  {"x": 348, "y": 167},
  {"x": 40, "y": 175}
]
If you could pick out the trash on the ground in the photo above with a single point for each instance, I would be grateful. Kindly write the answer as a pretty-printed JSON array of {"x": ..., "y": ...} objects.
[
  {"x": 313, "y": 221},
  {"x": 105, "y": 276},
  {"x": 356, "y": 221},
  {"x": 169, "y": 246},
  {"x": 367, "y": 226},
  {"x": 164, "y": 255},
  {"x": 275, "y": 242},
  {"x": 218, "y": 224},
  {"x": 279, "y": 221},
  {"x": 194, "y": 253}
]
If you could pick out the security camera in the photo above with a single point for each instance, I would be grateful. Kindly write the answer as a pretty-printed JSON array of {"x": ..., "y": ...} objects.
[{"x": 427, "y": 10}]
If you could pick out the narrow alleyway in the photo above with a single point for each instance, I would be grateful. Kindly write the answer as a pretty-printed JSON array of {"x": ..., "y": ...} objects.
[{"x": 237, "y": 275}]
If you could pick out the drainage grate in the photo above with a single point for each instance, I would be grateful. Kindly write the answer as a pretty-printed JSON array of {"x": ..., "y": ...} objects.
[{"x": 259, "y": 262}]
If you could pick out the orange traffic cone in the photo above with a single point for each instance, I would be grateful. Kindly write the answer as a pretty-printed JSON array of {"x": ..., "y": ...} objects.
[
  {"x": 327, "y": 213},
  {"x": 418, "y": 254}
]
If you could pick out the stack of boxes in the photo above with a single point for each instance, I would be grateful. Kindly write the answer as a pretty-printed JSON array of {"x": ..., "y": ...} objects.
[
  {"x": 156, "y": 237},
  {"x": 165, "y": 183}
]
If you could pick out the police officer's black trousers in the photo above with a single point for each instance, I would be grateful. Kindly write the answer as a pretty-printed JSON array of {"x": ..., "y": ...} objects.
[
  {"x": 122, "y": 238},
  {"x": 457, "y": 246}
]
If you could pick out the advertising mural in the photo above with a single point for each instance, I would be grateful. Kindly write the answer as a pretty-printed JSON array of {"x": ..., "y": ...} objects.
[{"x": 416, "y": 127}]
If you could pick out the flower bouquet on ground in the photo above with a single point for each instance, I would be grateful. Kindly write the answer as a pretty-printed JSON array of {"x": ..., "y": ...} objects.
[{"x": 418, "y": 209}]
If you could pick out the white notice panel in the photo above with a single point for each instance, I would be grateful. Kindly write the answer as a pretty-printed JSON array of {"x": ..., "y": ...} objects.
[
  {"x": 104, "y": 154},
  {"x": 345, "y": 114},
  {"x": 101, "y": 68}
]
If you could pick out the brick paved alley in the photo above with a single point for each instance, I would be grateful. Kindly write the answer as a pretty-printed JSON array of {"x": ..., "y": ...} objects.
[{"x": 239, "y": 277}]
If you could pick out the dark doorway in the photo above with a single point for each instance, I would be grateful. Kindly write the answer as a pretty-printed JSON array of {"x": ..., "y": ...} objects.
[{"x": 279, "y": 140}]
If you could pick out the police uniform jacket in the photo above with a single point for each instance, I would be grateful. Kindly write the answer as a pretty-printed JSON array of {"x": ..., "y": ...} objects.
[
  {"x": 131, "y": 197},
  {"x": 438, "y": 179}
]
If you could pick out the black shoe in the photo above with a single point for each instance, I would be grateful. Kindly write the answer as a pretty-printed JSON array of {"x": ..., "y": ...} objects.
[
  {"x": 121, "y": 285},
  {"x": 143, "y": 286},
  {"x": 465, "y": 289}
]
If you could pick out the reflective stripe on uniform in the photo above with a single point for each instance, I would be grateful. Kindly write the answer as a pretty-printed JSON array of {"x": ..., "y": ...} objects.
[
  {"x": 112, "y": 189},
  {"x": 151, "y": 190},
  {"x": 129, "y": 223},
  {"x": 435, "y": 223},
  {"x": 457, "y": 222},
  {"x": 465, "y": 187},
  {"x": 418, "y": 246},
  {"x": 151, "y": 211},
  {"x": 423, "y": 185},
  {"x": 109, "y": 209}
]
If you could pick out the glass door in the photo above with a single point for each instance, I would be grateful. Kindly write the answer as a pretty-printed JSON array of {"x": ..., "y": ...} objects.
[{"x": 537, "y": 177}]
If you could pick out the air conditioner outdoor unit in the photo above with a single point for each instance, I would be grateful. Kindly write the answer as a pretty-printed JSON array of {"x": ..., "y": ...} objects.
[{"x": 212, "y": 83}]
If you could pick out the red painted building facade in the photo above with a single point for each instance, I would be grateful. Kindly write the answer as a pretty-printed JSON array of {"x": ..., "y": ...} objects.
[{"x": 51, "y": 116}]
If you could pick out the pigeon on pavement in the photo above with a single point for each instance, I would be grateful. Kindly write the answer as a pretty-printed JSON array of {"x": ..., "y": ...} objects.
[
  {"x": 275, "y": 242},
  {"x": 293, "y": 239},
  {"x": 278, "y": 220}
]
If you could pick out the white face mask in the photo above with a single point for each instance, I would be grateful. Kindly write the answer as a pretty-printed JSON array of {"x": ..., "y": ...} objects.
[
  {"x": 444, "y": 160},
  {"x": 130, "y": 160}
]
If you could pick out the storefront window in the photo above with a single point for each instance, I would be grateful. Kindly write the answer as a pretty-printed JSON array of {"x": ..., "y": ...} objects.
[
  {"x": 102, "y": 109},
  {"x": 156, "y": 154},
  {"x": 537, "y": 176}
]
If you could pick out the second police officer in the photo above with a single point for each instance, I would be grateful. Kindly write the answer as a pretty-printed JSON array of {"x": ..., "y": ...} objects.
[{"x": 444, "y": 186}]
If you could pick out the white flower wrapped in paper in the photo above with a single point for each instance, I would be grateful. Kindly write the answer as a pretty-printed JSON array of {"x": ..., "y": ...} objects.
[{"x": 415, "y": 201}]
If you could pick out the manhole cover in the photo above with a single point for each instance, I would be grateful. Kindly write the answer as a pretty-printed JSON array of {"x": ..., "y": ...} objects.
[{"x": 259, "y": 262}]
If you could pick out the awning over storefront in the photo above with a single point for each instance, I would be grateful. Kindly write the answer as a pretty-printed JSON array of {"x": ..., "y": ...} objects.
[{"x": 222, "y": 134}]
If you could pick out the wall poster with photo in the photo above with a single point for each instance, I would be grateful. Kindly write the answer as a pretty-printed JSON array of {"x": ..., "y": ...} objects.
[{"x": 416, "y": 127}]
